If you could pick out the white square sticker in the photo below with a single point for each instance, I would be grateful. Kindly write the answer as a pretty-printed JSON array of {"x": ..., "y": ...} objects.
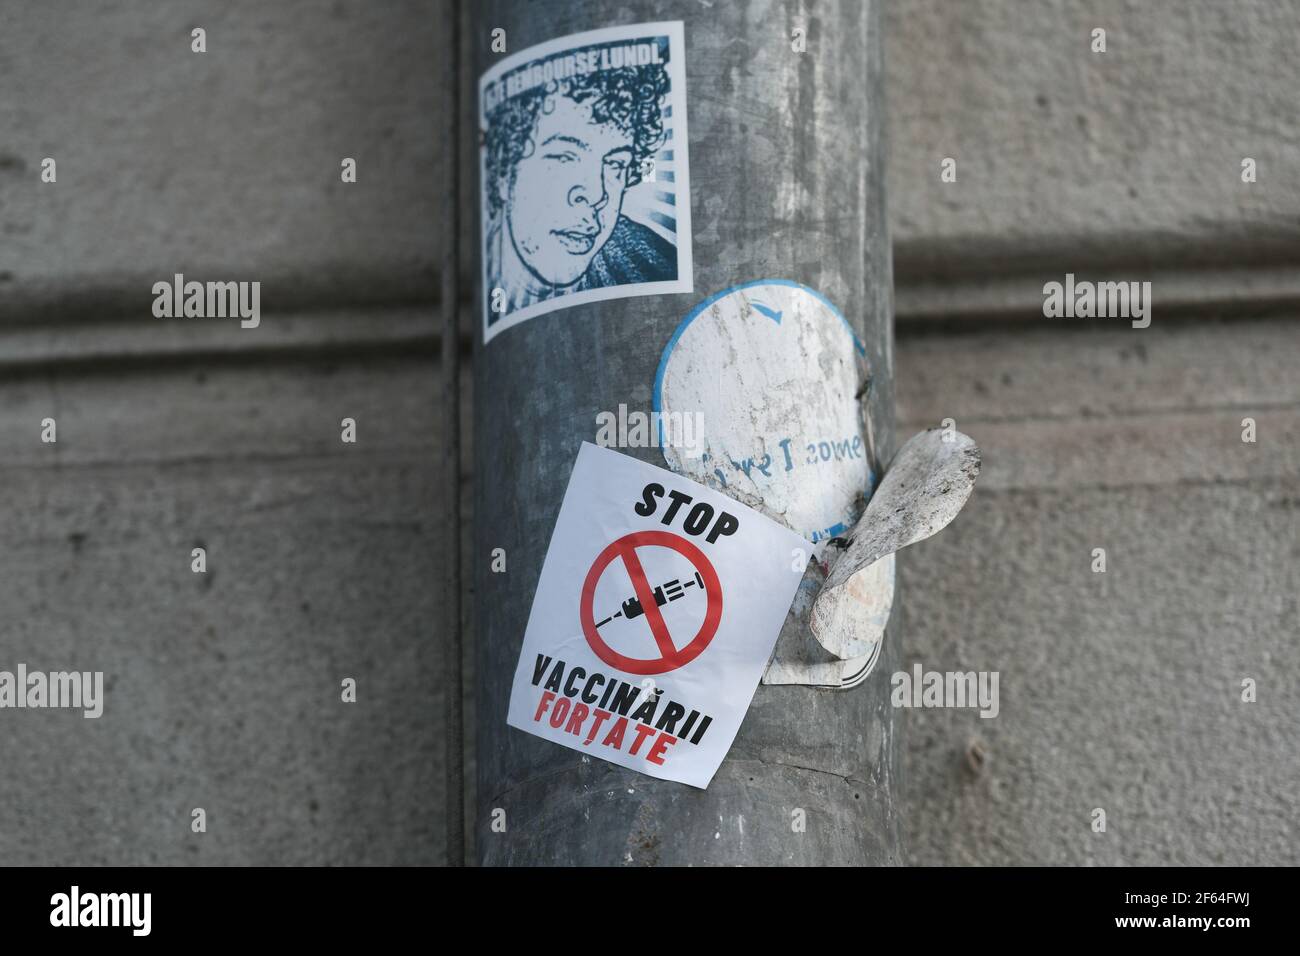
[{"x": 657, "y": 609}]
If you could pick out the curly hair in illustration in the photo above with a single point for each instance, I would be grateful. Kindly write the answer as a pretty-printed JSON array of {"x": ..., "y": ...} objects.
[{"x": 559, "y": 160}]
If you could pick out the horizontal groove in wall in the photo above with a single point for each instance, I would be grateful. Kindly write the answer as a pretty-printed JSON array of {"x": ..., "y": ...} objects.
[
  {"x": 277, "y": 338},
  {"x": 1179, "y": 294},
  {"x": 105, "y": 300},
  {"x": 957, "y": 283}
]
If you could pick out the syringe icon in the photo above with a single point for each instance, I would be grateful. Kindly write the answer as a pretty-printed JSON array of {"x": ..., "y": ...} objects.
[{"x": 670, "y": 591}]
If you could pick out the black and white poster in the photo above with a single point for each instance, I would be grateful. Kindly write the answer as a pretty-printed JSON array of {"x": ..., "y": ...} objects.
[{"x": 585, "y": 174}]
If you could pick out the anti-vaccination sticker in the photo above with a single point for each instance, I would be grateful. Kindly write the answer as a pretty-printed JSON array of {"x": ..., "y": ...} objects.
[{"x": 657, "y": 609}]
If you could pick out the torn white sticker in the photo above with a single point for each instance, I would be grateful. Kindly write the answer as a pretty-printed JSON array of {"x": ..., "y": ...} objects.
[
  {"x": 585, "y": 173},
  {"x": 657, "y": 608},
  {"x": 800, "y": 659},
  {"x": 777, "y": 376},
  {"x": 774, "y": 372}
]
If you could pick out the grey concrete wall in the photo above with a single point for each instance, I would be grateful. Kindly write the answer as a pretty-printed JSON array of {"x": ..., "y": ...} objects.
[
  {"x": 223, "y": 689},
  {"x": 325, "y": 560},
  {"x": 1128, "y": 160},
  {"x": 1119, "y": 690},
  {"x": 227, "y": 161}
]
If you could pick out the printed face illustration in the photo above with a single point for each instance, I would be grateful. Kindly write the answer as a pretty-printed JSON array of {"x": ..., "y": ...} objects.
[{"x": 567, "y": 192}]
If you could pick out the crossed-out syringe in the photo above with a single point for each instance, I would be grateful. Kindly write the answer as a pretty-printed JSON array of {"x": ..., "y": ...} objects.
[{"x": 670, "y": 591}]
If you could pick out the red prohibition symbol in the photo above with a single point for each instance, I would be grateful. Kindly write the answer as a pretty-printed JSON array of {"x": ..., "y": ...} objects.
[{"x": 670, "y": 656}]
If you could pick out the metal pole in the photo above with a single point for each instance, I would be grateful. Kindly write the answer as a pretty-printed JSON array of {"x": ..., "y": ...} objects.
[
  {"x": 818, "y": 219},
  {"x": 450, "y": 362}
]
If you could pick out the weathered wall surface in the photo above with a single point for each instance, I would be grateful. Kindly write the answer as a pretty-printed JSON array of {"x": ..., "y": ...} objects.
[
  {"x": 1118, "y": 690},
  {"x": 325, "y": 560},
  {"x": 223, "y": 689},
  {"x": 1127, "y": 161},
  {"x": 227, "y": 162}
]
